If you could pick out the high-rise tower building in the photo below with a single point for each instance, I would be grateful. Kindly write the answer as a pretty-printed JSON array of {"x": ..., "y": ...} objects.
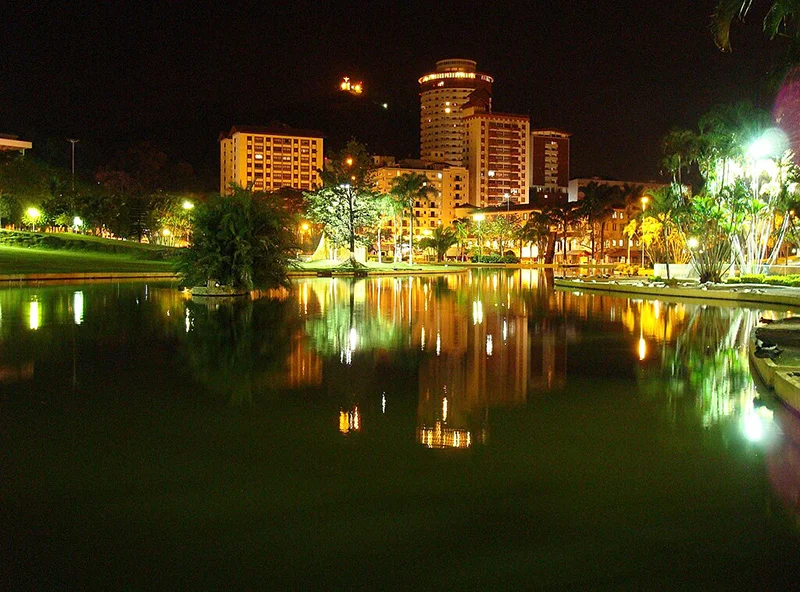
[
  {"x": 549, "y": 161},
  {"x": 442, "y": 94},
  {"x": 497, "y": 153}
]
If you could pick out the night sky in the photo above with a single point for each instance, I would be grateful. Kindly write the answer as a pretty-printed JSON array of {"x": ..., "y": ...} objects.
[{"x": 618, "y": 75}]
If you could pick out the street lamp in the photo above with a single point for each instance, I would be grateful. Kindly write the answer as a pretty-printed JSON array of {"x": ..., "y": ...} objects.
[
  {"x": 645, "y": 201},
  {"x": 187, "y": 205},
  {"x": 73, "y": 142},
  {"x": 479, "y": 218},
  {"x": 34, "y": 214}
]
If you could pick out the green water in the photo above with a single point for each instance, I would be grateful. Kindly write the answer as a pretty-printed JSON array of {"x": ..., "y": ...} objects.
[{"x": 471, "y": 431}]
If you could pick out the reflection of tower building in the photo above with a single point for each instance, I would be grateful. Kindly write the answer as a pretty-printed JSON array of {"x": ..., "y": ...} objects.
[{"x": 442, "y": 94}]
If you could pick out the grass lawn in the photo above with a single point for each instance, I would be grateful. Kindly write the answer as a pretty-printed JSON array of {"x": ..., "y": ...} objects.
[{"x": 14, "y": 260}]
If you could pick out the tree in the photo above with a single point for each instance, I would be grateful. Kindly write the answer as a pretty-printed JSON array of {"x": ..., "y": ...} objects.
[
  {"x": 407, "y": 190},
  {"x": 242, "y": 240},
  {"x": 782, "y": 19},
  {"x": 440, "y": 241},
  {"x": 536, "y": 230},
  {"x": 347, "y": 204},
  {"x": 562, "y": 215},
  {"x": 665, "y": 205},
  {"x": 598, "y": 202},
  {"x": 680, "y": 149},
  {"x": 461, "y": 226}
]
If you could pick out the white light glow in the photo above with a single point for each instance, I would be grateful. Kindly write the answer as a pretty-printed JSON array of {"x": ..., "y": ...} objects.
[{"x": 77, "y": 307}]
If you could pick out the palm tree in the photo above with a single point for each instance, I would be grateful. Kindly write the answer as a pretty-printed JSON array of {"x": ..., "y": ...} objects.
[
  {"x": 461, "y": 226},
  {"x": 562, "y": 215},
  {"x": 665, "y": 205},
  {"x": 783, "y": 18},
  {"x": 407, "y": 189},
  {"x": 596, "y": 206},
  {"x": 440, "y": 241},
  {"x": 536, "y": 230},
  {"x": 680, "y": 149}
]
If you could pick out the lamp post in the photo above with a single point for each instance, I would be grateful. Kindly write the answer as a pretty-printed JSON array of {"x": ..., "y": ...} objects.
[
  {"x": 645, "y": 200},
  {"x": 73, "y": 142}
]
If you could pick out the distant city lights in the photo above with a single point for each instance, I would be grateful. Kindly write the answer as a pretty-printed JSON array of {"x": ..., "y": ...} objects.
[{"x": 354, "y": 88}]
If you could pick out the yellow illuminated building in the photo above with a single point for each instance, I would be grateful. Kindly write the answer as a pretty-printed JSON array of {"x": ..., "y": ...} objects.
[
  {"x": 497, "y": 154},
  {"x": 450, "y": 183},
  {"x": 269, "y": 158},
  {"x": 442, "y": 94}
]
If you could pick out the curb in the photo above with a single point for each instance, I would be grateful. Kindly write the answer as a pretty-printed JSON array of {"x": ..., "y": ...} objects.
[{"x": 740, "y": 293}]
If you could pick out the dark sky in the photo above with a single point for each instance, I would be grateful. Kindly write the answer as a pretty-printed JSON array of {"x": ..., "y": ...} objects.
[{"x": 618, "y": 75}]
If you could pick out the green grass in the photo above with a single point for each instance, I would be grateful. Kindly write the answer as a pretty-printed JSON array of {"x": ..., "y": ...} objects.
[{"x": 16, "y": 260}]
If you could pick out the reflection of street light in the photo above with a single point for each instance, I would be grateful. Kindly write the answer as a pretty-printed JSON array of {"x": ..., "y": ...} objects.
[{"x": 645, "y": 201}]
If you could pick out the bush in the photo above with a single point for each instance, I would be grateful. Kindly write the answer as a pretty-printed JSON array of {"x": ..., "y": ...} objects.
[
  {"x": 733, "y": 280},
  {"x": 752, "y": 278}
]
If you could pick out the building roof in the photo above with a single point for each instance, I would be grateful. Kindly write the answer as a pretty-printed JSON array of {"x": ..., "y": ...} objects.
[
  {"x": 497, "y": 115},
  {"x": 12, "y": 142},
  {"x": 550, "y": 131},
  {"x": 274, "y": 129}
]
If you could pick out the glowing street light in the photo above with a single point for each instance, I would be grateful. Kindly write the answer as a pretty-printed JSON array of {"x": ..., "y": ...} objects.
[
  {"x": 693, "y": 243},
  {"x": 187, "y": 205},
  {"x": 349, "y": 161},
  {"x": 34, "y": 214}
]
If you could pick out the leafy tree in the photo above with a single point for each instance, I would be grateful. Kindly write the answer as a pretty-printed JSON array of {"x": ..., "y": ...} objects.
[
  {"x": 440, "y": 241},
  {"x": 680, "y": 148},
  {"x": 461, "y": 228},
  {"x": 666, "y": 205},
  {"x": 596, "y": 206},
  {"x": 347, "y": 204},
  {"x": 537, "y": 231},
  {"x": 562, "y": 216},
  {"x": 242, "y": 240},
  {"x": 503, "y": 229},
  {"x": 408, "y": 189}
]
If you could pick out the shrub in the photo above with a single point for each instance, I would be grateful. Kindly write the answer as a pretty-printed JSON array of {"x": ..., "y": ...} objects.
[
  {"x": 733, "y": 280},
  {"x": 752, "y": 278}
]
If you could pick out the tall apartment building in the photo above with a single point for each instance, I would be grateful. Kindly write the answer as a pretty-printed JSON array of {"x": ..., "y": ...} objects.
[
  {"x": 549, "y": 161},
  {"x": 450, "y": 182},
  {"x": 269, "y": 158},
  {"x": 497, "y": 153},
  {"x": 442, "y": 95}
]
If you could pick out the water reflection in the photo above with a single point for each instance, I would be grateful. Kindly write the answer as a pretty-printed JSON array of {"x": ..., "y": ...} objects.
[{"x": 434, "y": 357}]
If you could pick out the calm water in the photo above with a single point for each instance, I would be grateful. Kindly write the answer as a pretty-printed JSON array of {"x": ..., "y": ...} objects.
[{"x": 471, "y": 431}]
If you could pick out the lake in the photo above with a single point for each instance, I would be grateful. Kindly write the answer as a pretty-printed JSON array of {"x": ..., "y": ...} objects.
[{"x": 474, "y": 430}]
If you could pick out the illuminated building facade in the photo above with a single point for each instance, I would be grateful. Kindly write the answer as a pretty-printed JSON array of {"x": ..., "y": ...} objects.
[
  {"x": 497, "y": 154},
  {"x": 268, "y": 158},
  {"x": 450, "y": 182},
  {"x": 442, "y": 95},
  {"x": 549, "y": 161}
]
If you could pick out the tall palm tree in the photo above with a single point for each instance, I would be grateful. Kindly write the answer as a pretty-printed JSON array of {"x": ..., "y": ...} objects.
[
  {"x": 462, "y": 227},
  {"x": 596, "y": 206},
  {"x": 680, "y": 148},
  {"x": 665, "y": 205},
  {"x": 536, "y": 230},
  {"x": 407, "y": 189},
  {"x": 442, "y": 239},
  {"x": 783, "y": 18}
]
